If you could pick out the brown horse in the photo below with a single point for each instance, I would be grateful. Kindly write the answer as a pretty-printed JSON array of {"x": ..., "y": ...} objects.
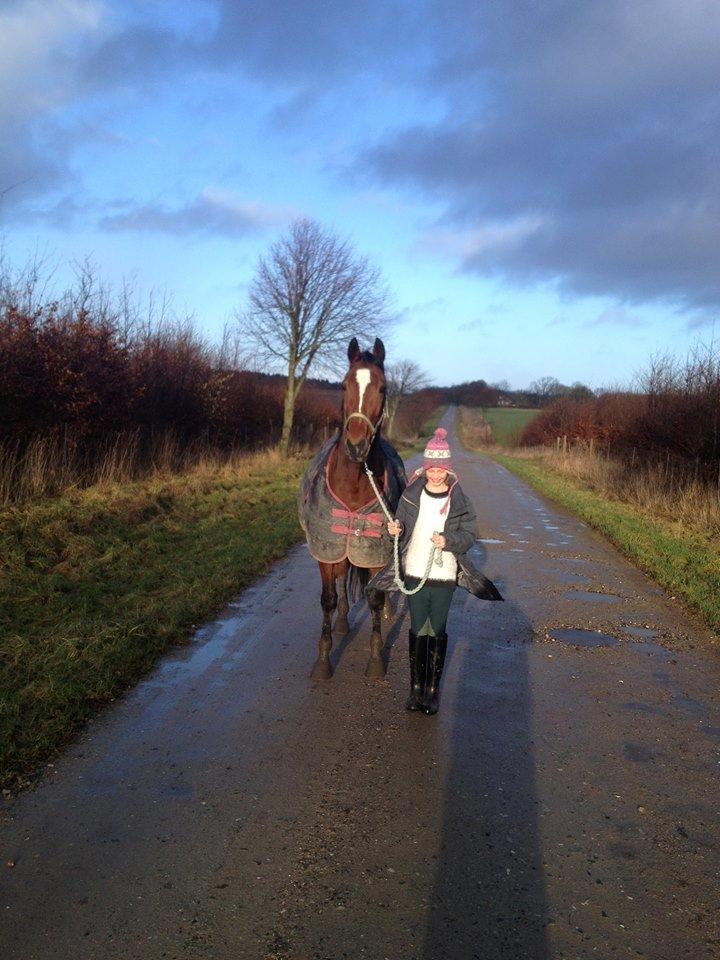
[{"x": 339, "y": 511}]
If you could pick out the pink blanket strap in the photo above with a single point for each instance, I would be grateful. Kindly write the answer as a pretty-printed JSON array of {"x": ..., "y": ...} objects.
[{"x": 374, "y": 519}]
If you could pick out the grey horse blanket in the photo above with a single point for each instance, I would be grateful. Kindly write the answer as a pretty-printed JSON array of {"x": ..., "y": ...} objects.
[{"x": 334, "y": 532}]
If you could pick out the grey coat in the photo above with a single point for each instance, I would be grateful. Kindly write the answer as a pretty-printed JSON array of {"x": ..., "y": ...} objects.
[{"x": 460, "y": 533}]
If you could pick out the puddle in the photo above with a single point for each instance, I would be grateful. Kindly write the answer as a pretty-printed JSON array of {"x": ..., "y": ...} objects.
[
  {"x": 572, "y": 578},
  {"x": 583, "y": 638},
  {"x": 489, "y": 540},
  {"x": 648, "y": 647},
  {"x": 590, "y": 596},
  {"x": 516, "y": 550},
  {"x": 646, "y": 633}
]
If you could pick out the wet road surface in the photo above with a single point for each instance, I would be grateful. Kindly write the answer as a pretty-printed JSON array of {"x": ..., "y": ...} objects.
[{"x": 562, "y": 804}]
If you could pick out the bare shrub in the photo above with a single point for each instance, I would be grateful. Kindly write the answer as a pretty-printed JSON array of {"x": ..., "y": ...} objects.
[
  {"x": 414, "y": 412},
  {"x": 93, "y": 389}
]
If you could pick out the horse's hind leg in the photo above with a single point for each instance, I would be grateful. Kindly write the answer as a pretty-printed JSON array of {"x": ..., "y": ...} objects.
[
  {"x": 375, "y": 669},
  {"x": 342, "y": 626},
  {"x": 388, "y": 607},
  {"x": 328, "y": 599}
]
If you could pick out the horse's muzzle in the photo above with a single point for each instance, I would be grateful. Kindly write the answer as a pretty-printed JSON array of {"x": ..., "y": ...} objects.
[{"x": 357, "y": 451}]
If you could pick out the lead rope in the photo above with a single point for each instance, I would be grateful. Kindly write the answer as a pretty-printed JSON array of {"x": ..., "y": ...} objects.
[{"x": 435, "y": 552}]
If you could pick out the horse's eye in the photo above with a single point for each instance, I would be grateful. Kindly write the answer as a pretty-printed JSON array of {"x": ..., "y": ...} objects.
[{"x": 382, "y": 389}]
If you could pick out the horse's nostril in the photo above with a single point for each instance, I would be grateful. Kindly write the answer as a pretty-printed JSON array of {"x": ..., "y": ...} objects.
[{"x": 358, "y": 451}]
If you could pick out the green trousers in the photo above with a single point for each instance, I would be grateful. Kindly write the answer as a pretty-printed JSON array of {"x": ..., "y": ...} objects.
[{"x": 429, "y": 607}]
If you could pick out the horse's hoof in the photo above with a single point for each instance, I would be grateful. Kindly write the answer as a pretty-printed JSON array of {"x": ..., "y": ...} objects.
[
  {"x": 341, "y": 626},
  {"x": 375, "y": 669},
  {"x": 321, "y": 670}
]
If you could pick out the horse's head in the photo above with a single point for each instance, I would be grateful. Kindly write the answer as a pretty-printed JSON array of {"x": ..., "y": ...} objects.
[{"x": 363, "y": 399}]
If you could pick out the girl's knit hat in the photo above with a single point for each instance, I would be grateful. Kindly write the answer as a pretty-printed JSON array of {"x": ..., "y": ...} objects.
[{"x": 437, "y": 451}]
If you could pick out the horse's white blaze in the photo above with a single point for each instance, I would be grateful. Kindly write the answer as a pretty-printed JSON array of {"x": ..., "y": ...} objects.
[{"x": 363, "y": 379}]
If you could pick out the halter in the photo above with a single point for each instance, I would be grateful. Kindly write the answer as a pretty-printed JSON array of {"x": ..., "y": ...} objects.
[{"x": 374, "y": 427}]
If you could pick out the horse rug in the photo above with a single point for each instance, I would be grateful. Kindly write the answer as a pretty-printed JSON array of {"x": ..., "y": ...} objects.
[{"x": 334, "y": 532}]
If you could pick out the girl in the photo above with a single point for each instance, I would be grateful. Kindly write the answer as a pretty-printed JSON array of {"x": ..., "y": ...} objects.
[{"x": 437, "y": 526}]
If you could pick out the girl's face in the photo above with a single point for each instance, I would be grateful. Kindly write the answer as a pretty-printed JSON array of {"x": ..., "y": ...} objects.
[{"x": 436, "y": 475}]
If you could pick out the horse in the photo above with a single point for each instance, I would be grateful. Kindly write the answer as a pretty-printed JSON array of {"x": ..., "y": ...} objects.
[{"x": 339, "y": 511}]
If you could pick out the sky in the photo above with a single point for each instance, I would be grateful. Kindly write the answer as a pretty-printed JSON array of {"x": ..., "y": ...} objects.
[{"x": 537, "y": 181}]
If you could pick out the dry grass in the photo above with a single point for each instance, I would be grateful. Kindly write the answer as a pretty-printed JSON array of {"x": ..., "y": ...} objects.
[
  {"x": 50, "y": 466},
  {"x": 473, "y": 428}
]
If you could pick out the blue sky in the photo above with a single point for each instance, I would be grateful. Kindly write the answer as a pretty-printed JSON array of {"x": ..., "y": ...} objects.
[{"x": 538, "y": 182}]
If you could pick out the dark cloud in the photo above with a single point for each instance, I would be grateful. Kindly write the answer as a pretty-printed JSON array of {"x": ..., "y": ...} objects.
[
  {"x": 33, "y": 160},
  {"x": 213, "y": 212},
  {"x": 583, "y": 138},
  {"x": 316, "y": 41}
]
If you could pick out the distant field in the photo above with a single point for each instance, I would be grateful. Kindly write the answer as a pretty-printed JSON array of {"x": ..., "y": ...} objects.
[{"x": 507, "y": 423}]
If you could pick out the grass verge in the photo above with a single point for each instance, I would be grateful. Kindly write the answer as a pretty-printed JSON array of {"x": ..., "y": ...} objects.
[
  {"x": 682, "y": 560},
  {"x": 95, "y": 584}
]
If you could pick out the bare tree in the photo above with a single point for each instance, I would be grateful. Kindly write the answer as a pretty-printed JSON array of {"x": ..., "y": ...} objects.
[
  {"x": 310, "y": 294},
  {"x": 401, "y": 379},
  {"x": 545, "y": 388}
]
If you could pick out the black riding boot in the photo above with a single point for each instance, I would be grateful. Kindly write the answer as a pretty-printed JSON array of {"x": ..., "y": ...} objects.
[
  {"x": 436, "y": 662},
  {"x": 416, "y": 647}
]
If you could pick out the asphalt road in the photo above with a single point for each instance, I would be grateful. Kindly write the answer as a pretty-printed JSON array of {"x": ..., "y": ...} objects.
[{"x": 562, "y": 804}]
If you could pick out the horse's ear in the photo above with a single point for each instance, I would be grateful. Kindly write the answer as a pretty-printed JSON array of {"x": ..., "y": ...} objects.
[
  {"x": 353, "y": 350},
  {"x": 379, "y": 351}
]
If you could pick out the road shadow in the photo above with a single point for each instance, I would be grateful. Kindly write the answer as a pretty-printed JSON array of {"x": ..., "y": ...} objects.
[
  {"x": 488, "y": 897},
  {"x": 359, "y": 617}
]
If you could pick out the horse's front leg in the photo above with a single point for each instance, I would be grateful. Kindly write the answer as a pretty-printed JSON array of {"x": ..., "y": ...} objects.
[
  {"x": 341, "y": 621},
  {"x": 328, "y": 599},
  {"x": 375, "y": 669}
]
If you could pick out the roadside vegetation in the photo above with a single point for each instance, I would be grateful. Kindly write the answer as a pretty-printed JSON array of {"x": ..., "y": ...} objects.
[
  {"x": 96, "y": 583},
  {"x": 409, "y": 446}
]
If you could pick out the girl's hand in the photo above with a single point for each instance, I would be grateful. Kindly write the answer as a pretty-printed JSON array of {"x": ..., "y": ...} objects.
[
  {"x": 394, "y": 528},
  {"x": 439, "y": 540}
]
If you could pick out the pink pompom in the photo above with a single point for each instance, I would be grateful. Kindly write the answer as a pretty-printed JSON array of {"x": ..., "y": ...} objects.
[{"x": 441, "y": 433}]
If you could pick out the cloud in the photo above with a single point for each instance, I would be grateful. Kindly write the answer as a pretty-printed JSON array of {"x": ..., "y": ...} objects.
[
  {"x": 39, "y": 40},
  {"x": 477, "y": 242},
  {"x": 592, "y": 125},
  {"x": 214, "y": 212}
]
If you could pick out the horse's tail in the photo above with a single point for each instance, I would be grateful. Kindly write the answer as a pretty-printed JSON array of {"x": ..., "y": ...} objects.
[{"x": 358, "y": 579}]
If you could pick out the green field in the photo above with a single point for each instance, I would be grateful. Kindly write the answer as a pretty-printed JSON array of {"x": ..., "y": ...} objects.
[{"x": 507, "y": 423}]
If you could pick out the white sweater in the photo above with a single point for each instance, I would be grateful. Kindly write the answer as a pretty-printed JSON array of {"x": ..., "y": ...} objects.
[{"x": 430, "y": 520}]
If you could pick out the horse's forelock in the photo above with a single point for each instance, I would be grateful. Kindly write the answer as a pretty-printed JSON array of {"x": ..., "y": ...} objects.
[{"x": 367, "y": 357}]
